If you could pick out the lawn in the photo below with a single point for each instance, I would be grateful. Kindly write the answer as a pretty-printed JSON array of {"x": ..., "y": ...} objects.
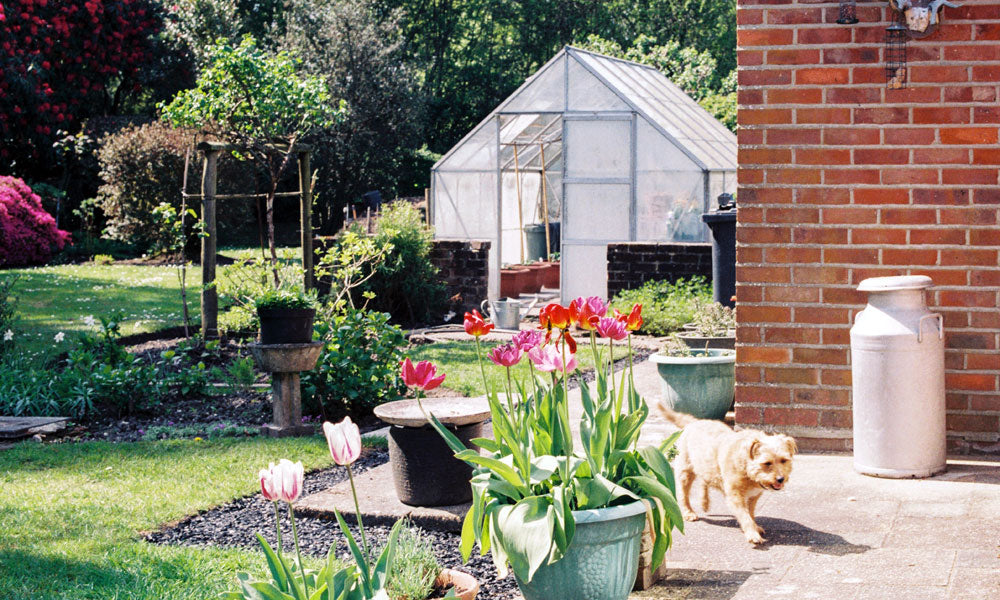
[
  {"x": 71, "y": 514},
  {"x": 458, "y": 361}
]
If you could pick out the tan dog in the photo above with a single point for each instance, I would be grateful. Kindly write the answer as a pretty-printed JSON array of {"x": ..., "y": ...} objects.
[{"x": 741, "y": 464}]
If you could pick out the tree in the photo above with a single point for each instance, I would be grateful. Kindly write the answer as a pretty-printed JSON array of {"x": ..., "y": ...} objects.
[
  {"x": 262, "y": 104},
  {"x": 360, "y": 53}
]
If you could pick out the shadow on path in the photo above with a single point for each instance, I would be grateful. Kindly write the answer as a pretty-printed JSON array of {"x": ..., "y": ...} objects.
[
  {"x": 782, "y": 532},
  {"x": 695, "y": 584}
]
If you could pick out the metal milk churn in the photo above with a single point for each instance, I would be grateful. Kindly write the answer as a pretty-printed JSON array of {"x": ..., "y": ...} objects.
[{"x": 897, "y": 364}]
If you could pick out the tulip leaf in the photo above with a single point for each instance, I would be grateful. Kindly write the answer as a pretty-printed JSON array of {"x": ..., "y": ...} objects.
[
  {"x": 526, "y": 530},
  {"x": 384, "y": 563},
  {"x": 486, "y": 444},
  {"x": 276, "y": 565},
  {"x": 500, "y": 468},
  {"x": 468, "y": 534},
  {"x": 359, "y": 558},
  {"x": 659, "y": 465}
]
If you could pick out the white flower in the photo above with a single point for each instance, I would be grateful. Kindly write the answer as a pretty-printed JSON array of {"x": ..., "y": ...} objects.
[
  {"x": 8, "y": 336},
  {"x": 59, "y": 337},
  {"x": 89, "y": 321}
]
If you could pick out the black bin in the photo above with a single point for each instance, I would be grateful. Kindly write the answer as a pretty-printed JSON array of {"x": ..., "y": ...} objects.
[{"x": 722, "y": 223}]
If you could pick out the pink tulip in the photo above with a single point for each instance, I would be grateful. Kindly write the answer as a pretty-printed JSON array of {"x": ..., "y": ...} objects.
[
  {"x": 344, "y": 440},
  {"x": 505, "y": 356},
  {"x": 421, "y": 376},
  {"x": 612, "y": 328},
  {"x": 282, "y": 481},
  {"x": 586, "y": 311},
  {"x": 527, "y": 339},
  {"x": 549, "y": 358}
]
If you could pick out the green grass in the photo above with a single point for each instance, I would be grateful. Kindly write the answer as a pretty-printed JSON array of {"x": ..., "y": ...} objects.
[
  {"x": 71, "y": 515},
  {"x": 458, "y": 361}
]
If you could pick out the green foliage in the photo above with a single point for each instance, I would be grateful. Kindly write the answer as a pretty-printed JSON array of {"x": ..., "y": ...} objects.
[
  {"x": 208, "y": 431},
  {"x": 415, "y": 566},
  {"x": 665, "y": 306},
  {"x": 241, "y": 283},
  {"x": 240, "y": 373},
  {"x": 284, "y": 299},
  {"x": 713, "y": 319},
  {"x": 104, "y": 259},
  {"x": 359, "y": 366},
  {"x": 8, "y": 316},
  {"x": 405, "y": 284}
]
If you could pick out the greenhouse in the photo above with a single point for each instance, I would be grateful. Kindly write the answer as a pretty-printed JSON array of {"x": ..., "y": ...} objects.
[{"x": 598, "y": 150}]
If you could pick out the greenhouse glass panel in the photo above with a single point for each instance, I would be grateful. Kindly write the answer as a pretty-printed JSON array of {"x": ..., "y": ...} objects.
[
  {"x": 465, "y": 205},
  {"x": 598, "y": 149},
  {"x": 545, "y": 91},
  {"x": 588, "y": 93},
  {"x": 478, "y": 151},
  {"x": 584, "y": 270},
  {"x": 597, "y": 212}
]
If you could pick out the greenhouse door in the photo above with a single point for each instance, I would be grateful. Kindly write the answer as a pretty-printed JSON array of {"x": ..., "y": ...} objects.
[{"x": 598, "y": 198}]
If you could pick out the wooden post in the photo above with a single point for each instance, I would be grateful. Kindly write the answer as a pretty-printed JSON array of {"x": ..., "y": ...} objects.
[
  {"x": 545, "y": 204},
  {"x": 520, "y": 210},
  {"x": 209, "y": 295},
  {"x": 427, "y": 205},
  {"x": 305, "y": 204}
]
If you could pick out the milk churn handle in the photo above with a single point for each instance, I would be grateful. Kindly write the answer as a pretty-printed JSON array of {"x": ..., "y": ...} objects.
[{"x": 920, "y": 326}]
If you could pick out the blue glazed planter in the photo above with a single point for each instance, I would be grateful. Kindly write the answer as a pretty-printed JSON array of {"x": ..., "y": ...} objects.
[
  {"x": 601, "y": 561},
  {"x": 701, "y": 385}
]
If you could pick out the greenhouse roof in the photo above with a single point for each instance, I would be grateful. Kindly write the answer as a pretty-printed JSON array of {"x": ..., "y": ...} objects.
[{"x": 633, "y": 87}]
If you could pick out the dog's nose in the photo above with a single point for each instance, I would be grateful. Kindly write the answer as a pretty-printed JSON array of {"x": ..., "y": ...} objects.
[{"x": 781, "y": 480}]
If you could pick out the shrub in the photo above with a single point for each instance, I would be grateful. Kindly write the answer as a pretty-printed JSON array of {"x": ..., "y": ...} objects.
[
  {"x": 414, "y": 566},
  {"x": 406, "y": 283},
  {"x": 28, "y": 234},
  {"x": 359, "y": 366},
  {"x": 143, "y": 166},
  {"x": 240, "y": 283},
  {"x": 666, "y": 306}
]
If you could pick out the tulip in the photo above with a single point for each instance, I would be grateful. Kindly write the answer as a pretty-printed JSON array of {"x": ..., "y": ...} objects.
[
  {"x": 475, "y": 325},
  {"x": 422, "y": 376},
  {"x": 505, "y": 356},
  {"x": 287, "y": 479},
  {"x": 344, "y": 441},
  {"x": 527, "y": 339},
  {"x": 548, "y": 359},
  {"x": 612, "y": 328},
  {"x": 632, "y": 320},
  {"x": 268, "y": 486},
  {"x": 554, "y": 316},
  {"x": 587, "y": 311}
]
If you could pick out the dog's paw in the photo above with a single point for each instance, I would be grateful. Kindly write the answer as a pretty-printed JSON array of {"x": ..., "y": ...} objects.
[
  {"x": 755, "y": 537},
  {"x": 689, "y": 516},
  {"x": 760, "y": 529}
]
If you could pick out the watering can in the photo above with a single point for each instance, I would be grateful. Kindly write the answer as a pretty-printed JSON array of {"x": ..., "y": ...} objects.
[{"x": 505, "y": 312}]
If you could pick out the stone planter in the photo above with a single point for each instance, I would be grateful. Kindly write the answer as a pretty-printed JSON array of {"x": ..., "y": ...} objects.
[
  {"x": 701, "y": 385},
  {"x": 601, "y": 562},
  {"x": 465, "y": 585},
  {"x": 286, "y": 325},
  {"x": 700, "y": 342}
]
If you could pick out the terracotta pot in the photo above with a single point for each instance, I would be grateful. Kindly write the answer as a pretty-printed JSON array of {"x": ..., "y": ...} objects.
[
  {"x": 537, "y": 271},
  {"x": 551, "y": 276},
  {"x": 513, "y": 281},
  {"x": 466, "y": 586}
]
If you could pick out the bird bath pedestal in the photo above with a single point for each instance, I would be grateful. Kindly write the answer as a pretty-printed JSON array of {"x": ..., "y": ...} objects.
[
  {"x": 285, "y": 362},
  {"x": 425, "y": 471}
]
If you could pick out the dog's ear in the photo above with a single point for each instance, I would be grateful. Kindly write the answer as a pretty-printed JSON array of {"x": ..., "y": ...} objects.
[
  {"x": 753, "y": 447},
  {"x": 790, "y": 444}
]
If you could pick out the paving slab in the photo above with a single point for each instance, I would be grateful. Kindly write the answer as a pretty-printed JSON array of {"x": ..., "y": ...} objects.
[
  {"x": 379, "y": 504},
  {"x": 13, "y": 428}
]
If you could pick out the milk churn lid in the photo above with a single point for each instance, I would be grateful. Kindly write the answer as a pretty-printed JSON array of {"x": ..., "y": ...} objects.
[{"x": 891, "y": 284}]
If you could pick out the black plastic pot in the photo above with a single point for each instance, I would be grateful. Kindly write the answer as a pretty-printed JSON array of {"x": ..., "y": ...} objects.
[
  {"x": 286, "y": 325},
  {"x": 424, "y": 469}
]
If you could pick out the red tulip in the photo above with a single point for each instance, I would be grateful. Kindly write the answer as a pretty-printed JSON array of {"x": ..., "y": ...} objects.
[
  {"x": 554, "y": 315},
  {"x": 344, "y": 441},
  {"x": 475, "y": 325},
  {"x": 633, "y": 320},
  {"x": 587, "y": 311},
  {"x": 505, "y": 356},
  {"x": 612, "y": 328},
  {"x": 422, "y": 376}
]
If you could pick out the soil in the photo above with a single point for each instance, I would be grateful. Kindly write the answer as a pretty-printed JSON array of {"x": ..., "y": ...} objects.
[{"x": 236, "y": 524}]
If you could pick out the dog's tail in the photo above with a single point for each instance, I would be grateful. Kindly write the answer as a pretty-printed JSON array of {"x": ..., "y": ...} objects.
[{"x": 678, "y": 419}]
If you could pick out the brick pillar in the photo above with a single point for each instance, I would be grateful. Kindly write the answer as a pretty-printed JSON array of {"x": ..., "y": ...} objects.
[{"x": 841, "y": 179}]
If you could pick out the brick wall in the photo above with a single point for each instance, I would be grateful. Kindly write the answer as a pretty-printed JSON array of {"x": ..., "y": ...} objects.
[
  {"x": 842, "y": 179},
  {"x": 630, "y": 264},
  {"x": 464, "y": 267}
]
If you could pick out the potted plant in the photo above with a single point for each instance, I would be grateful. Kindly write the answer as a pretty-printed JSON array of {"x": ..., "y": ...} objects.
[
  {"x": 700, "y": 382},
  {"x": 713, "y": 326},
  {"x": 286, "y": 316},
  {"x": 567, "y": 518}
]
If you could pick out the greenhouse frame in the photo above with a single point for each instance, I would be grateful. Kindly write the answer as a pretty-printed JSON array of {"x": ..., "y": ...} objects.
[{"x": 610, "y": 149}]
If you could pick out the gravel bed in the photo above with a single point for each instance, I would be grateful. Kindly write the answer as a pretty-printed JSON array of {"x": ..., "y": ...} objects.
[{"x": 237, "y": 523}]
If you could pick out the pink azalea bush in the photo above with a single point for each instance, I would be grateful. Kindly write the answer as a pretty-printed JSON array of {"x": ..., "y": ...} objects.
[{"x": 28, "y": 234}]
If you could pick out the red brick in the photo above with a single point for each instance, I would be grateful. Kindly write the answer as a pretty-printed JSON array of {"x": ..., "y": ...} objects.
[
  {"x": 973, "y": 341},
  {"x": 747, "y": 16},
  {"x": 943, "y": 276},
  {"x": 822, "y": 196},
  {"x": 986, "y": 73},
  {"x": 763, "y": 274},
  {"x": 749, "y": 58},
  {"x": 794, "y": 16},
  {"x": 986, "y": 156},
  {"x": 749, "y": 97},
  {"x": 747, "y": 415},
  {"x": 843, "y": 295},
  {"x": 748, "y": 335},
  {"x": 746, "y": 293},
  {"x": 824, "y": 274},
  {"x": 949, "y": 31},
  {"x": 751, "y": 214},
  {"x": 749, "y": 137},
  {"x": 881, "y": 115},
  {"x": 958, "y": 94},
  {"x": 986, "y": 196},
  {"x": 763, "y": 354},
  {"x": 821, "y": 396},
  {"x": 763, "y": 235},
  {"x": 968, "y": 298},
  {"x": 853, "y": 95},
  {"x": 929, "y": 94},
  {"x": 881, "y": 156},
  {"x": 835, "y": 377},
  {"x": 764, "y": 116},
  {"x": 965, "y": 381},
  {"x": 851, "y": 136},
  {"x": 982, "y": 93},
  {"x": 910, "y": 137},
  {"x": 986, "y": 114},
  {"x": 748, "y": 77},
  {"x": 969, "y": 176},
  {"x": 819, "y": 235},
  {"x": 878, "y": 236},
  {"x": 763, "y": 37},
  {"x": 748, "y": 176},
  {"x": 837, "y": 335},
  {"x": 794, "y": 176},
  {"x": 939, "y": 156},
  {"x": 909, "y": 256},
  {"x": 762, "y": 314},
  {"x": 837, "y": 35},
  {"x": 940, "y": 196},
  {"x": 792, "y": 294},
  {"x": 844, "y": 215},
  {"x": 822, "y": 76},
  {"x": 983, "y": 362},
  {"x": 786, "y": 254},
  {"x": 985, "y": 403},
  {"x": 937, "y": 73},
  {"x": 852, "y": 176},
  {"x": 938, "y": 236},
  {"x": 940, "y": 114},
  {"x": 987, "y": 31},
  {"x": 968, "y": 216},
  {"x": 748, "y": 374},
  {"x": 791, "y": 335},
  {"x": 765, "y": 196},
  {"x": 969, "y": 256},
  {"x": 909, "y": 216},
  {"x": 979, "y": 52},
  {"x": 823, "y": 356},
  {"x": 792, "y": 57},
  {"x": 868, "y": 75},
  {"x": 791, "y": 375},
  {"x": 803, "y": 417},
  {"x": 850, "y": 55},
  {"x": 793, "y": 137},
  {"x": 795, "y": 96},
  {"x": 836, "y": 419},
  {"x": 969, "y": 135},
  {"x": 881, "y": 196},
  {"x": 764, "y": 156},
  {"x": 971, "y": 423},
  {"x": 762, "y": 395},
  {"x": 911, "y": 176},
  {"x": 823, "y": 115},
  {"x": 822, "y": 156},
  {"x": 988, "y": 319},
  {"x": 863, "y": 256},
  {"x": 821, "y": 314},
  {"x": 984, "y": 237}
]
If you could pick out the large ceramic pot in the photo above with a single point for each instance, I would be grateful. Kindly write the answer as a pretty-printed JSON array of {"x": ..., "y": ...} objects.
[
  {"x": 600, "y": 563},
  {"x": 701, "y": 385},
  {"x": 286, "y": 325},
  {"x": 700, "y": 342}
]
